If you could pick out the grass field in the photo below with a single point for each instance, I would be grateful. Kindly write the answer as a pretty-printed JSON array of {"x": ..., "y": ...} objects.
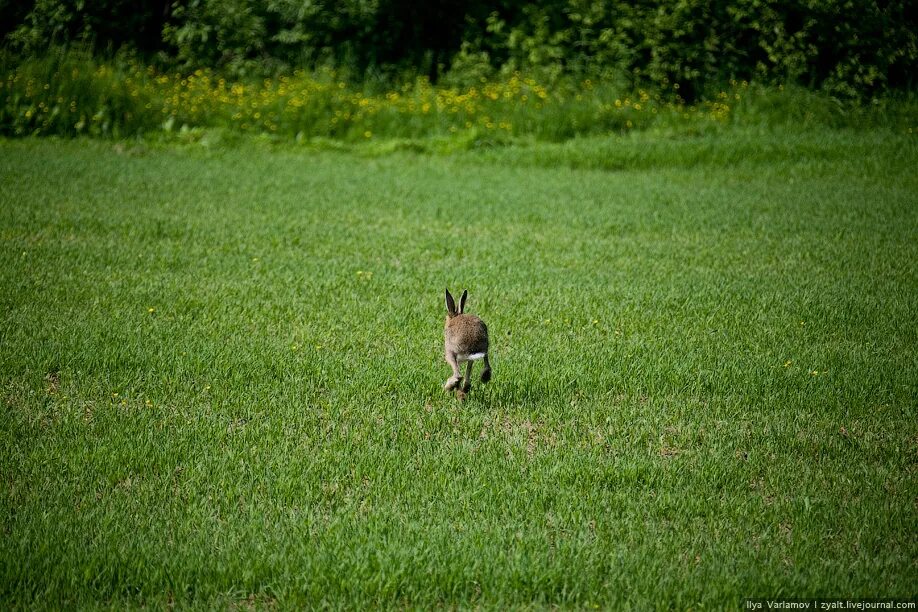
[{"x": 221, "y": 373}]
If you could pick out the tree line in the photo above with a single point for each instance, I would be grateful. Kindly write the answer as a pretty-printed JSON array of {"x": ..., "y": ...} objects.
[{"x": 854, "y": 48}]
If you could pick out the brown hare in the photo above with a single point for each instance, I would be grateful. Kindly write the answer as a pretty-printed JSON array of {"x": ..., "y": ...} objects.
[{"x": 466, "y": 342}]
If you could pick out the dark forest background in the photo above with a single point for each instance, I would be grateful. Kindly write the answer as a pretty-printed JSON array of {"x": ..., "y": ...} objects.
[{"x": 854, "y": 48}]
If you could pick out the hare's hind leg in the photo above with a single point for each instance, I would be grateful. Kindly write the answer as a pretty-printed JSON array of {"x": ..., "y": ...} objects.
[
  {"x": 468, "y": 376},
  {"x": 453, "y": 381},
  {"x": 486, "y": 373}
]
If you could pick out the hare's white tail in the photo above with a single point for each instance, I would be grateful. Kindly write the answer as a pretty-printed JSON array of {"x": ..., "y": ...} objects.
[{"x": 472, "y": 357}]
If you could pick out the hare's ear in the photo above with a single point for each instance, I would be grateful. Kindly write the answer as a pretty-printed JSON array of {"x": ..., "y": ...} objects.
[
  {"x": 465, "y": 295},
  {"x": 450, "y": 305}
]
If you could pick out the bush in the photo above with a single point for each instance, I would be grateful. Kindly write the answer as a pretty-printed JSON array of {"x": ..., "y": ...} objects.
[{"x": 847, "y": 47}]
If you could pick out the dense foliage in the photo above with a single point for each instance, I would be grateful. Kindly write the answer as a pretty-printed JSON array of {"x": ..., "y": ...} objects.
[{"x": 847, "y": 47}]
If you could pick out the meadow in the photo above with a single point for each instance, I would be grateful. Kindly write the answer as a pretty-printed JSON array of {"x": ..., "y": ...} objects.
[{"x": 221, "y": 372}]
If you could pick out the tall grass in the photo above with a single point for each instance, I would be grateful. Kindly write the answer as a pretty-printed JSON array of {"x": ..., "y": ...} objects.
[{"x": 71, "y": 93}]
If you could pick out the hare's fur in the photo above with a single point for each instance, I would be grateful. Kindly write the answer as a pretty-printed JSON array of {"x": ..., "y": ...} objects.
[{"x": 466, "y": 341}]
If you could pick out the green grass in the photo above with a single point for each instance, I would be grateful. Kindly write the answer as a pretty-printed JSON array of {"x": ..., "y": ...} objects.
[{"x": 221, "y": 373}]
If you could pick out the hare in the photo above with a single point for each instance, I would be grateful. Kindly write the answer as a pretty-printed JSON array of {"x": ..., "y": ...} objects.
[{"x": 466, "y": 342}]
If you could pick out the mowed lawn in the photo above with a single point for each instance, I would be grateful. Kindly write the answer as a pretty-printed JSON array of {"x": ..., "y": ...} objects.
[{"x": 221, "y": 373}]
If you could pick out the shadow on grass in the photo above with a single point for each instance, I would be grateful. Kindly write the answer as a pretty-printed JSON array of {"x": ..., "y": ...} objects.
[{"x": 514, "y": 393}]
